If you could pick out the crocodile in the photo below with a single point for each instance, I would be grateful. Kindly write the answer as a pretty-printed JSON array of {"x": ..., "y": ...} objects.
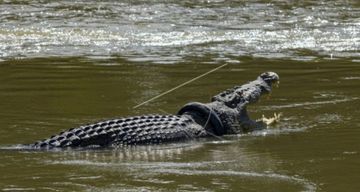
[{"x": 225, "y": 114}]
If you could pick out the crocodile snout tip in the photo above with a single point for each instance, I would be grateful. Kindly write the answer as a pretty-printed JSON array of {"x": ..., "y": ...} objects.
[{"x": 270, "y": 77}]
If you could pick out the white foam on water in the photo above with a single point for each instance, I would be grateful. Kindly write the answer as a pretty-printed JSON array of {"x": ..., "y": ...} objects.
[
  {"x": 18, "y": 189},
  {"x": 170, "y": 32}
]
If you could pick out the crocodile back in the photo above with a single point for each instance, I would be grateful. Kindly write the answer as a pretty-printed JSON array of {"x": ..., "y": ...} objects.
[{"x": 148, "y": 129}]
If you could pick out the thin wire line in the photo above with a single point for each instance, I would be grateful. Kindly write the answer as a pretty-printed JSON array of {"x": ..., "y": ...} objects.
[{"x": 181, "y": 85}]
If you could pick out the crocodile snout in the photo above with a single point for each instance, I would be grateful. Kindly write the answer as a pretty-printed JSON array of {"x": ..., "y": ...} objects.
[{"x": 270, "y": 77}]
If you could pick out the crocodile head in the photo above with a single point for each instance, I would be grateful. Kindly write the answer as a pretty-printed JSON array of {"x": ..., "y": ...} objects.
[
  {"x": 227, "y": 114},
  {"x": 240, "y": 96},
  {"x": 231, "y": 104}
]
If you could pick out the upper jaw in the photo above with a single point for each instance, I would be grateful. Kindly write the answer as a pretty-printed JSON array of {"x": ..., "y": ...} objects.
[
  {"x": 263, "y": 86},
  {"x": 248, "y": 93}
]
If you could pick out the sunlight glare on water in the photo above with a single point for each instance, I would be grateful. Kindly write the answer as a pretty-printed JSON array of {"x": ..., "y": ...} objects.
[{"x": 178, "y": 30}]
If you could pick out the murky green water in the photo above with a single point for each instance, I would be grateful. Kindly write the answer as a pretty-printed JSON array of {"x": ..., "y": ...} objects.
[
  {"x": 314, "y": 148},
  {"x": 66, "y": 63}
]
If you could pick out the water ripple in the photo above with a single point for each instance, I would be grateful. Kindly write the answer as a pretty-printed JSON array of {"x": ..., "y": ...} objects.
[
  {"x": 294, "y": 105},
  {"x": 309, "y": 186}
]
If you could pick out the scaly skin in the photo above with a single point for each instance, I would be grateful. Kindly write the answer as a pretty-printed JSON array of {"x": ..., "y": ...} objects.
[{"x": 226, "y": 114}]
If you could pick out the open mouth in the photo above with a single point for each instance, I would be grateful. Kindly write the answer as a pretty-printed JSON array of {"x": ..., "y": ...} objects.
[{"x": 277, "y": 84}]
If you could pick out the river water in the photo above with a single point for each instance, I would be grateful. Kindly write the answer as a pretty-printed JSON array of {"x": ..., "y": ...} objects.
[{"x": 68, "y": 63}]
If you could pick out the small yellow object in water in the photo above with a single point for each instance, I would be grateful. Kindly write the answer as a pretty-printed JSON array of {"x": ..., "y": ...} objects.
[{"x": 271, "y": 120}]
